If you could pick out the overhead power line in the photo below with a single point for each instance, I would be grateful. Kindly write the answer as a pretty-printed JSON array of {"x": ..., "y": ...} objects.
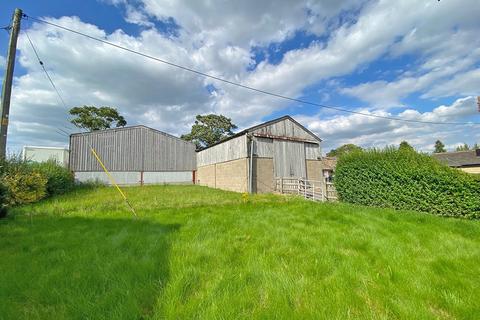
[
  {"x": 40, "y": 61},
  {"x": 44, "y": 69},
  {"x": 301, "y": 101}
]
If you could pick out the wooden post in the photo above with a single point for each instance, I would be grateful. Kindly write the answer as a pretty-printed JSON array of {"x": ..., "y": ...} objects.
[
  {"x": 7, "y": 82},
  {"x": 313, "y": 191},
  {"x": 281, "y": 185}
]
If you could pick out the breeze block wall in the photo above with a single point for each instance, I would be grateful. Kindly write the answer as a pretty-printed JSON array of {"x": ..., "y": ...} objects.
[
  {"x": 263, "y": 176},
  {"x": 229, "y": 175}
]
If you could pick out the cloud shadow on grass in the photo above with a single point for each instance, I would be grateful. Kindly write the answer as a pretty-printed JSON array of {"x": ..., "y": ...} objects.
[{"x": 57, "y": 267}]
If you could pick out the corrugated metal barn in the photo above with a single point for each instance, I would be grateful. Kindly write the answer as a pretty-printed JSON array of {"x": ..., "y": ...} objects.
[
  {"x": 134, "y": 155},
  {"x": 251, "y": 160}
]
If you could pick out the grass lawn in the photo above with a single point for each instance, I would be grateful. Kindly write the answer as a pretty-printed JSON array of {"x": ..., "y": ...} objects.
[{"x": 202, "y": 253}]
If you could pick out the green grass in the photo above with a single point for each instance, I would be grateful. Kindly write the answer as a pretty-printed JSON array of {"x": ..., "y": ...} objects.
[{"x": 202, "y": 253}]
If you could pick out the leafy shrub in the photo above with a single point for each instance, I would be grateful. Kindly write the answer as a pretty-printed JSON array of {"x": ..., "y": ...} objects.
[
  {"x": 405, "y": 179},
  {"x": 3, "y": 201},
  {"x": 24, "y": 186},
  {"x": 59, "y": 179}
]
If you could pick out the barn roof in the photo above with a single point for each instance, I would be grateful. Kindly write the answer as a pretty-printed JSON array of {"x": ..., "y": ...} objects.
[
  {"x": 129, "y": 128},
  {"x": 266, "y": 124},
  {"x": 459, "y": 158}
]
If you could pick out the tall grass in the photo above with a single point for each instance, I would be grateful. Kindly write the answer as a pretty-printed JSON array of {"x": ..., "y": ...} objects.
[{"x": 208, "y": 254}]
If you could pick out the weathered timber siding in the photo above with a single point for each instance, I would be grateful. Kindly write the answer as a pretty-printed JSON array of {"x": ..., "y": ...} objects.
[
  {"x": 232, "y": 149},
  {"x": 263, "y": 147},
  {"x": 289, "y": 159},
  {"x": 312, "y": 151},
  {"x": 131, "y": 149},
  {"x": 285, "y": 128},
  {"x": 263, "y": 177}
]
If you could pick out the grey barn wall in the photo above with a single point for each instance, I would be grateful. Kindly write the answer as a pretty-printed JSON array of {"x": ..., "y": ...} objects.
[
  {"x": 232, "y": 149},
  {"x": 285, "y": 128},
  {"x": 281, "y": 148},
  {"x": 131, "y": 149},
  {"x": 263, "y": 148}
]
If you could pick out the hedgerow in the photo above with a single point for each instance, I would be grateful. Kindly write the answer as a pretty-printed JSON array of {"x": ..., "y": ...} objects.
[
  {"x": 405, "y": 179},
  {"x": 24, "y": 182},
  {"x": 24, "y": 186},
  {"x": 59, "y": 179},
  {"x": 3, "y": 200}
]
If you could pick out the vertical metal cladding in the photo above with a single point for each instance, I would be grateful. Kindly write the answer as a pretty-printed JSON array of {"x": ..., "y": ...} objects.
[{"x": 131, "y": 149}]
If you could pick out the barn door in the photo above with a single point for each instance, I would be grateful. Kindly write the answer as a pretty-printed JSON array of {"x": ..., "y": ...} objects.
[{"x": 289, "y": 159}]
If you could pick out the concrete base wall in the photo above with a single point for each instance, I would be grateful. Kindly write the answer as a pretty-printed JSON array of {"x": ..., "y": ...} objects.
[
  {"x": 135, "y": 177},
  {"x": 229, "y": 175},
  {"x": 205, "y": 176},
  {"x": 475, "y": 170},
  {"x": 263, "y": 176},
  {"x": 314, "y": 170}
]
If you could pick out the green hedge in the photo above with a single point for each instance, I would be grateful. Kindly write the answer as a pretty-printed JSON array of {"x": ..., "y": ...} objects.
[
  {"x": 24, "y": 186},
  {"x": 405, "y": 179},
  {"x": 3, "y": 200},
  {"x": 59, "y": 179},
  {"x": 25, "y": 181}
]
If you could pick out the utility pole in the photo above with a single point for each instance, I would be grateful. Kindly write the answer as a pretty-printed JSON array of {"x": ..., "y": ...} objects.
[{"x": 7, "y": 82}]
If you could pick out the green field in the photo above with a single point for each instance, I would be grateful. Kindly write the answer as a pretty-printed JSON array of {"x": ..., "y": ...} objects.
[{"x": 202, "y": 253}]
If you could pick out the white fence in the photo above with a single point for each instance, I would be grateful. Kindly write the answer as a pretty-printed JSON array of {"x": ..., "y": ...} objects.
[{"x": 309, "y": 189}]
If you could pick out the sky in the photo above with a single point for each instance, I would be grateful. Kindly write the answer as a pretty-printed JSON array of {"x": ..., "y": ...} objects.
[{"x": 410, "y": 59}]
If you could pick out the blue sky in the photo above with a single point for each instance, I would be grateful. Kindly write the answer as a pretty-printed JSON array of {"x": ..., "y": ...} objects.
[{"x": 391, "y": 58}]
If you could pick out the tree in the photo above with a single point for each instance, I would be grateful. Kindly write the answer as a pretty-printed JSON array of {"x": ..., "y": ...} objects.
[
  {"x": 404, "y": 145},
  {"x": 209, "y": 129},
  {"x": 475, "y": 146},
  {"x": 463, "y": 147},
  {"x": 439, "y": 147},
  {"x": 93, "y": 118},
  {"x": 346, "y": 148}
]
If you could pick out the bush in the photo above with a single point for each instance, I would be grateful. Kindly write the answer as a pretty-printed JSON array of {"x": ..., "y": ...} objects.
[
  {"x": 3, "y": 201},
  {"x": 24, "y": 186},
  {"x": 59, "y": 179},
  {"x": 405, "y": 179}
]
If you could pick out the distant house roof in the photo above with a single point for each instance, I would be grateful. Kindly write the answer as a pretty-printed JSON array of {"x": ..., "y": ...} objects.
[
  {"x": 459, "y": 158},
  {"x": 329, "y": 163},
  {"x": 265, "y": 124}
]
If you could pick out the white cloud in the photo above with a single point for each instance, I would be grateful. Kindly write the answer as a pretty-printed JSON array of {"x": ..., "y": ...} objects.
[
  {"x": 369, "y": 131},
  {"x": 218, "y": 37},
  {"x": 3, "y": 62},
  {"x": 467, "y": 83}
]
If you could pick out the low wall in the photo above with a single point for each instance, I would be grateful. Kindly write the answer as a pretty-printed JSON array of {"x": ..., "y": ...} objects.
[
  {"x": 135, "y": 177},
  {"x": 471, "y": 170},
  {"x": 263, "y": 175},
  {"x": 229, "y": 175},
  {"x": 314, "y": 170}
]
